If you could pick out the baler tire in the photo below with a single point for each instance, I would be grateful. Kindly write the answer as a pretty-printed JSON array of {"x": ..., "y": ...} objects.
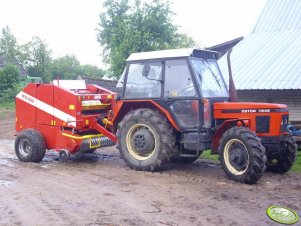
[
  {"x": 286, "y": 160},
  {"x": 157, "y": 140},
  {"x": 30, "y": 146},
  {"x": 244, "y": 167}
]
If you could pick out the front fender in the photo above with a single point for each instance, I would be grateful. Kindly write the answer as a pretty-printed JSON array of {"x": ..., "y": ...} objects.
[{"x": 227, "y": 124}]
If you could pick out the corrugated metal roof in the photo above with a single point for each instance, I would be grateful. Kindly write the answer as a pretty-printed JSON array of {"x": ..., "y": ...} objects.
[
  {"x": 279, "y": 15},
  {"x": 269, "y": 60}
]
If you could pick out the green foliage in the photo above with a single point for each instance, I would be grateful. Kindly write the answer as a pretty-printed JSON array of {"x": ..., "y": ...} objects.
[
  {"x": 142, "y": 27},
  {"x": 9, "y": 94},
  {"x": 7, "y": 105},
  {"x": 10, "y": 50},
  {"x": 9, "y": 77},
  {"x": 66, "y": 67},
  {"x": 297, "y": 164},
  {"x": 39, "y": 59},
  {"x": 90, "y": 71},
  {"x": 207, "y": 155},
  {"x": 8, "y": 45}
]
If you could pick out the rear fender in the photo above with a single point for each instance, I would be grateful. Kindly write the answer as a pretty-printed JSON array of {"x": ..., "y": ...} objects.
[
  {"x": 227, "y": 124},
  {"x": 121, "y": 108}
]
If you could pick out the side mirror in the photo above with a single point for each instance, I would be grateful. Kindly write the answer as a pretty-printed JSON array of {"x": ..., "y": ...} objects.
[{"x": 146, "y": 70}]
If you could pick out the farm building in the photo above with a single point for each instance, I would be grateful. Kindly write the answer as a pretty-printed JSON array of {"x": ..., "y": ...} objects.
[{"x": 266, "y": 65}]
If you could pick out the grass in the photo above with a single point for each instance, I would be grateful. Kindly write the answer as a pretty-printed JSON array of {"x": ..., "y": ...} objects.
[
  {"x": 7, "y": 106},
  {"x": 206, "y": 155},
  {"x": 296, "y": 167}
]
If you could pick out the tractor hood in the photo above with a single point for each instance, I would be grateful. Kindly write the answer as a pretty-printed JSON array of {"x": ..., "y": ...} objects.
[{"x": 249, "y": 107}]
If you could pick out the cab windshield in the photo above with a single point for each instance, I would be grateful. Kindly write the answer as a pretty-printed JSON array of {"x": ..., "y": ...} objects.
[{"x": 209, "y": 78}]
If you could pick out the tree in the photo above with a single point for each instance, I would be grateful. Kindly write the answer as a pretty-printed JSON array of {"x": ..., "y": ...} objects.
[
  {"x": 39, "y": 60},
  {"x": 66, "y": 67},
  {"x": 10, "y": 50},
  {"x": 8, "y": 45},
  {"x": 90, "y": 71},
  {"x": 142, "y": 27}
]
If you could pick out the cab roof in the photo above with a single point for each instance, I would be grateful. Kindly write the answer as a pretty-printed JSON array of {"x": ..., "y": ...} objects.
[{"x": 173, "y": 53}]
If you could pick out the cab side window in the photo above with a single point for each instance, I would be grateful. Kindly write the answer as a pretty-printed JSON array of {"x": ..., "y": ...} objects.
[
  {"x": 178, "y": 82},
  {"x": 144, "y": 80}
]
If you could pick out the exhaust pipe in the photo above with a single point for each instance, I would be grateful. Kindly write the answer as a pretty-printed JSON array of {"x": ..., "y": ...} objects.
[{"x": 232, "y": 89}]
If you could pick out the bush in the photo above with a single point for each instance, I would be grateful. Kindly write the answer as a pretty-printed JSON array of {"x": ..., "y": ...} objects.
[
  {"x": 9, "y": 83},
  {"x": 8, "y": 95}
]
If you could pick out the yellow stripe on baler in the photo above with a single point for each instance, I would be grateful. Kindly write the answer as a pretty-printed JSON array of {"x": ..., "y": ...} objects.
[{"x": 81, "y": 137}]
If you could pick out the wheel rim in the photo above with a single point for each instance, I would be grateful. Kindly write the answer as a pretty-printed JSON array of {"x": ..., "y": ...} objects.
[
  {"x": 24, "y": 147},
  {"x": 141, "y": 142},
  {"x": 236, "y": 157}
]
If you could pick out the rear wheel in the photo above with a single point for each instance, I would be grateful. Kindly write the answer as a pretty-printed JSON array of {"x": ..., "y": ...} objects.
[
  {"x": 30, "y": 146},
  {"x": 285, "y": 161},
  {"x": 242, "y": 155},
  {"x": 145, "y": 140}
]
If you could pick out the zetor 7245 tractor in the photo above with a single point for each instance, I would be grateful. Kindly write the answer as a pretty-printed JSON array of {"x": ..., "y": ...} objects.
[{"x": 172, "y": 105}]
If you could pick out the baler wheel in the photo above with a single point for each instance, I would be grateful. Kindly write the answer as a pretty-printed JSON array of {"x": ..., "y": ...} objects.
[
  {"x": 242, "y": 155},
  {"x": 145, "y": 140},
  {"x": 286, "y": 160},
  {"x": 64, "y": 155},
  {"x": 30, "y": 146}
]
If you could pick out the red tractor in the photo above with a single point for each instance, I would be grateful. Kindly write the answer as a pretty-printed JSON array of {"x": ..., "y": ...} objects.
[{"x": 172, "y": 105}]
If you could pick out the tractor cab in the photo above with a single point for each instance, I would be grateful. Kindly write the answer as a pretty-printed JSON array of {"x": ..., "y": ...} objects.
[{"x": 184, "y": 81}]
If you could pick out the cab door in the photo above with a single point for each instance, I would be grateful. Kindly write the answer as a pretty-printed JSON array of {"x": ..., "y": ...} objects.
[{"x": 180, "y": 94}]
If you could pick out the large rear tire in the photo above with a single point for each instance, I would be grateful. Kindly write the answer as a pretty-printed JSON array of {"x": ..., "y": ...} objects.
[
  {"x": 285, "y": 161},
  {"x": 30, "y": 146},
  {"x": 242, "y": 155},
  {"x": 145, "y": 140}
]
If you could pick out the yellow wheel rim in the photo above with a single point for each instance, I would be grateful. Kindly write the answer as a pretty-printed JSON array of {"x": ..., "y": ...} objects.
[
  {"x": 131, "y": 147},
  {"x": 239, "y": 149}
]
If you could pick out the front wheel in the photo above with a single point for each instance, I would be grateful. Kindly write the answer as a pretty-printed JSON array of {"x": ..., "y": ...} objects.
[
  {"x": 285, "y": 161},
  {"x": 30, "y": 146},
  {"x": 242, "y": 155},
  {"x": 145, "y": 140}
]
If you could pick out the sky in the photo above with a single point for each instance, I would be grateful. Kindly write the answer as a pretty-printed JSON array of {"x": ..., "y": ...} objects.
[{"x": 69, "y": 26}]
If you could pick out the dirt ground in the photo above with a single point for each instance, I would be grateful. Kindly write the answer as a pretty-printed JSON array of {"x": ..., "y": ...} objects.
[{"x": 99, "y": 189}]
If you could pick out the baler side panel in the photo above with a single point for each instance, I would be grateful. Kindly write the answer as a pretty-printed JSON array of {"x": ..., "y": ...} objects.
[
  {"x": 45, "y": 104},
  {"x": 26, "y": 111},
  {"x": 67, "y": 107}
]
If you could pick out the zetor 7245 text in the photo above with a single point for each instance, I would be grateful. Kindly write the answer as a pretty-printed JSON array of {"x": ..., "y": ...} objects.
[{"x": 171, "y": 106}]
